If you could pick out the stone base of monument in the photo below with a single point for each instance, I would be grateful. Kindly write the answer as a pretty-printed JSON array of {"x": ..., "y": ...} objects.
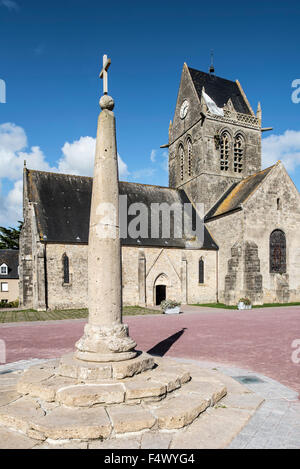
[{"x": 66, "y": 399}]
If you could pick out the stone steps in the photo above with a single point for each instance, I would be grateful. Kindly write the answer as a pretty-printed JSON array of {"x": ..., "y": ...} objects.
[
  {"x": 167, "y": 397},
  {"x": 44, "y": 383},
  {"x": 55, "y": 421}
]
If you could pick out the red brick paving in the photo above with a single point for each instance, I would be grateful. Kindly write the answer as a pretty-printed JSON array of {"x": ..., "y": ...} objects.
[{"x": 258, "y": 339}]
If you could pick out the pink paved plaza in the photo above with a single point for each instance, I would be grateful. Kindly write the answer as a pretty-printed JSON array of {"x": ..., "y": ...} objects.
[{"x": 259, "y": 340}]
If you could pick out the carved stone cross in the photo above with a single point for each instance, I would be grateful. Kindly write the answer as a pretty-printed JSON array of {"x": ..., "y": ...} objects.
[{"x": 103, "y": 73}]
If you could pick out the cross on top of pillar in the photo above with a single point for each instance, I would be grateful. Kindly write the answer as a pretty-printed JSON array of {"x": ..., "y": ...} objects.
[{"x": 103, "y": 73}]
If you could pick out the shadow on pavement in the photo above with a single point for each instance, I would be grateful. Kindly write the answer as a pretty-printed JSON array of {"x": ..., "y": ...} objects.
[{"x": 162, "y": 347}]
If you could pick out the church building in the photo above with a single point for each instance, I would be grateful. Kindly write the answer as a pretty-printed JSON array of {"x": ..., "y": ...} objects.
[{"x": 250, "y": 246}]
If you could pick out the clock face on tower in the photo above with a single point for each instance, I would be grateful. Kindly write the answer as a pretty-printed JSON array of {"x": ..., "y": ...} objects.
[{"x": 184, "y": 109}]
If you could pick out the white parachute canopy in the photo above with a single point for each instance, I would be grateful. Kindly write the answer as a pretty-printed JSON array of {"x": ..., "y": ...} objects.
[{"x": 212, "y": 107}]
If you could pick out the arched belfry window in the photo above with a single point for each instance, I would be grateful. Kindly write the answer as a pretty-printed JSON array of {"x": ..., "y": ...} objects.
[
  {"x": 277, "y": 252},
  {"x": 224, "y": 152},
  {"x": 66, "y": 268},
  {"x": 181, "y": 157},
  {"x": 239, "y": 147},
  {"x": 190, "y": 156},
  {"x": 4, "y": 269},
  {"x": 201, "y": 270}
]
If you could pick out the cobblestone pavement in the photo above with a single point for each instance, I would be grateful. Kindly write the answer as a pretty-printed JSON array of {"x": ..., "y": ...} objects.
[
  {"x": 259, "y": 339},
  {"x": 275, "y": 425}
]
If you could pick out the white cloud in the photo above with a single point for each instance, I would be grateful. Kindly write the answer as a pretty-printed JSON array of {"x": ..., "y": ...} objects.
[
  {"x": 165, "y": 161},
  {"x": 10, "y": 4},
  {"x": 143, "y": 173},
  {"x": 153, "y": 156},
  {"x": 77, "y": 158},
  {"x": 11, "y": 205},
  {"x": 284, "y": 147},
  {"x": 123, "y": 169},
  {"x": 13, "y": 140}
]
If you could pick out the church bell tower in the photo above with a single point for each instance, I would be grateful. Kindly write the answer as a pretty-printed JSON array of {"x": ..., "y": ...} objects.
[{"x": 214, "y": 139}]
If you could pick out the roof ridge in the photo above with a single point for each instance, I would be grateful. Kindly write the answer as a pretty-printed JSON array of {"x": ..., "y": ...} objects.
[
  {"x": 258, "y": 172},
  {"x": 57, "y": 174},
  {"x": 208, "y": 74},
  {"x": 91, "y": 177}
]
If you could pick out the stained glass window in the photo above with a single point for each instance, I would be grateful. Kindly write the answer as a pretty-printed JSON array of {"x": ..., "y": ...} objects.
[{"x": 277, "y": 252}]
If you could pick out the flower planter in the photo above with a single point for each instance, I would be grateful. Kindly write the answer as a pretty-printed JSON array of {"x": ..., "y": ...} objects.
[
  {"x": 242, "y": 305},
  {"x": 173, "y": 310}
]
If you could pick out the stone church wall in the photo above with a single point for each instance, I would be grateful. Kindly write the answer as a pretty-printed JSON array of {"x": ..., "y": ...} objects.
[
  {"x": 143, "y": 270},
  {"x": 243, "y": 238},
  {"x": 228, "y": 234},
  {"x": 177, "y": 269},
  {"x": 74, "y": 294},
  {"x": 275, "y": 205}
]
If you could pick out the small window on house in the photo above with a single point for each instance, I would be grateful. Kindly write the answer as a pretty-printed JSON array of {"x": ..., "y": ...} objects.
[
  {"x": 238, "y": 154},
  {"x": 4, "y": 269},
  {"x": 224, "y": 152},
  {"x": 190, "y": 156},
  {"x": 4, "y": 286},
  {"x": 201, "y": 271},
  {"x": 66, "y": 269},
  {"x": 181, "y": 156}
]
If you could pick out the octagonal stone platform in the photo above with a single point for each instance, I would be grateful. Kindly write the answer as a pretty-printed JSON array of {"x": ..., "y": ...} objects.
[
  {"x": 67, "y": 399},
  {"x": 40, "y": 406}
]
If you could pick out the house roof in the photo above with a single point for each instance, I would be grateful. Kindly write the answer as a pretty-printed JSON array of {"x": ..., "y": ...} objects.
[
  {"x": 10, "y": 257},
  {"x": 219, "y": 90},
  {"x": 237, "y": 194},
  {"x": 62, "y": 207}
]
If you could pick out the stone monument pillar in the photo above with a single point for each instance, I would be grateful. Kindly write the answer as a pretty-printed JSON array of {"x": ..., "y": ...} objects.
[{"x": 105, "y": 337}]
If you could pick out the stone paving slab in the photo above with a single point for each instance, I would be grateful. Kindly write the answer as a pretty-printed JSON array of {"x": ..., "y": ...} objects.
[
  {"x": 14, "y": 440},
  {"x": 89, "y": 395},
  {"x": 128, "y": 419},
  {"x": 214, "y": 429},
  {"x": 65, "y": 423}
]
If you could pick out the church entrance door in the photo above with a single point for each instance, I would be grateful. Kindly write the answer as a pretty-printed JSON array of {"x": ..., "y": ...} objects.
[{"x": 160, "y": 293}]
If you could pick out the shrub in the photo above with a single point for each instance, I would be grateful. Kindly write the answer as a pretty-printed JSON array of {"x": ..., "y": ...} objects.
[
  {"x": 6, "y": 304},
  {"x": 169, "y": 304},
  {"x": 246, "y": 301}
]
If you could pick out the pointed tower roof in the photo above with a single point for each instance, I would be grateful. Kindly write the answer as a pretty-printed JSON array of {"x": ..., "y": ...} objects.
[{"x": 220, "y": 90}]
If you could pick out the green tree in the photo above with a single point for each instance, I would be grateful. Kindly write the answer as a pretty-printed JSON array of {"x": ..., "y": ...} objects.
[{"x": 9, "y": 237}]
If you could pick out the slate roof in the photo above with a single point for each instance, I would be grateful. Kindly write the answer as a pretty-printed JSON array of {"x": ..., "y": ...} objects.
[
  {"x": 10, "y": 257},
  {"x": 238, "y": 193},
  {"x": 219, "y": 90},
  {"x": 62, "y": 207}
]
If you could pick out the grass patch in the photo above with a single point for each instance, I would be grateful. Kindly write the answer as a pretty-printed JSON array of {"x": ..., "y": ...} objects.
[
  {"x": 274, "y": 305},
  {"x": 215, "y": 305},
  {"x": 265, "y": 305},
  {"x": 30, "y": 315}
]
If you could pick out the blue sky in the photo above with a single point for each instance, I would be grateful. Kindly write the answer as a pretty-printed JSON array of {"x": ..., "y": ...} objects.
[{"x": 50, "y": 58}]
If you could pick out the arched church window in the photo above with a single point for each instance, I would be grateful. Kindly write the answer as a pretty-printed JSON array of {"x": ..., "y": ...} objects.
[
  {"x": 66, "y": 268},
  {"x": 190, "y": 156},
  {"x": 277, "y": 252},
  {"x": 4, "y": 269},
  {"x": 201, "y": 270},
  {"x": 224, "y": 149},
  {"x": 181, "y": 156},
  {"x": 238, "y": 154}
]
